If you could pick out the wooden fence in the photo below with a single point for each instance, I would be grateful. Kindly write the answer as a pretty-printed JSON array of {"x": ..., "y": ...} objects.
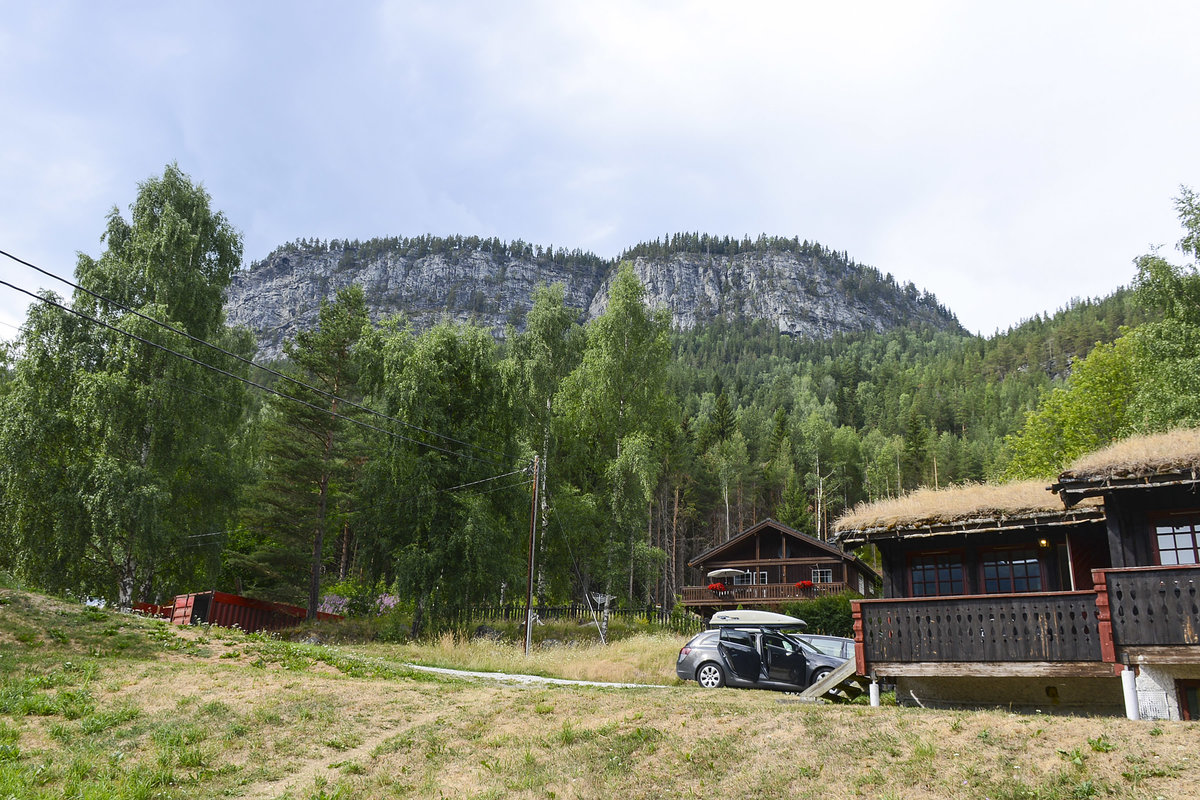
[{"x": 579, "y": 612}]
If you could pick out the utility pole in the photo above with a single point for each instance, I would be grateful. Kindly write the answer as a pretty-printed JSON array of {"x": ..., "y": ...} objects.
[{"x": 533, "y": 515}]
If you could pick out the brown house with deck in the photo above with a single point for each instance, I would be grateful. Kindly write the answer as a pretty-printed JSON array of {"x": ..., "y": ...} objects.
[
  {"x": 1084, "y": 595},
  {"x": 770, "y": 564}
]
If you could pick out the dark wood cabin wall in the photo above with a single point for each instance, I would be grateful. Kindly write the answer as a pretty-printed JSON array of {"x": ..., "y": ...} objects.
[
  {"x": 1089, "y": 551},
  {"x": 1120, "y": 525},
  {"x": 1130, "y": 536},
  {"x": 896, "y": 554}
]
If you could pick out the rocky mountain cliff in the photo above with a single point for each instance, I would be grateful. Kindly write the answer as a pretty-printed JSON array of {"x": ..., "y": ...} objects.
[{"x": 805, "y": 289}]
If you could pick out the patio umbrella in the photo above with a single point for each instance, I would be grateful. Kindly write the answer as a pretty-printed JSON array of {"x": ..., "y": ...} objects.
[{"x": 727, "y": 572}]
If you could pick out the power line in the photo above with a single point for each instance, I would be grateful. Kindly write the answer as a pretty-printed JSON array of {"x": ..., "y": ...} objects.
[
  {"x": 247, "y": 381},
  {"x": 509, "y": 486},
  {"x": 485, "y": 480},
  {"x": 218, "y": 348},
  {"x": 348, "y": 512}
]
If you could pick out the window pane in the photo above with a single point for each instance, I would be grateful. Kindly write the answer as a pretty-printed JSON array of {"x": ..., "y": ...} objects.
[
  {"x": 1168, "y": 557},
  {"x": 1012, "y": 571},
  {"x": 1187, "y": 556},
  {"x": 1166, "y": 542},
  {"x": 1183, "y": 540}
]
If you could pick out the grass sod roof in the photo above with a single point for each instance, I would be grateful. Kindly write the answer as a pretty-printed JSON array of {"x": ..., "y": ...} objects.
[
  {"x": 1176, "y": 452},
  {"x": 971, "y": 508}
]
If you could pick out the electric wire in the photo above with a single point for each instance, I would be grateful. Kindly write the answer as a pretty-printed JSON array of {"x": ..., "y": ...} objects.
[
  {"x": 249, "y": 362},
  {"x": 485, "y": 480},
  {"x": 372, "y": 507},
  {"x": 247, "y": 381},
  {"x": 509, "y": 486}
]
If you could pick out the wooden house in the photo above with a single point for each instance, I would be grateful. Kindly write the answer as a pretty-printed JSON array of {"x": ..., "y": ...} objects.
[
  {"x": 1084, "y": 594},
  {"x": 769, "y": 564}
]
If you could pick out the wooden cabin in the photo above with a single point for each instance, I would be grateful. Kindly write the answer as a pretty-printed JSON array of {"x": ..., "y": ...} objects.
[
  {"x": 1038, "y": 597},
  {"x": 770, "y": 564}
]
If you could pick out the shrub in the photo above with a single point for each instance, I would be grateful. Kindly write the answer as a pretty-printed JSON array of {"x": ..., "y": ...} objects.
[{"x": 828, "y": 614}]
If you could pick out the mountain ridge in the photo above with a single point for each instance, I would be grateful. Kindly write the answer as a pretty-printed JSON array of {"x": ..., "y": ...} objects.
[{"x": 804, "y": 288}]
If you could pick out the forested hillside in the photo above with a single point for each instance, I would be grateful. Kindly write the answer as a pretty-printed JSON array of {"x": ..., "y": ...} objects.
[{"x": 388, "y": 459}]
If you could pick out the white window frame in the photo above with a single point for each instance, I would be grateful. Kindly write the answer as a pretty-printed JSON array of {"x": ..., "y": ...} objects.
[{"x": 822, "y": 574}]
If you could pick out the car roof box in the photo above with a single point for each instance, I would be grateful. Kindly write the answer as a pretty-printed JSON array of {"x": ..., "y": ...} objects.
[{"x": 753, "y": 617}]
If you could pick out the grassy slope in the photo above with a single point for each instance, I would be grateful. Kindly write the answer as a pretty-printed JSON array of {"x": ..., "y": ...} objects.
[{"x": 99, "y": 705}]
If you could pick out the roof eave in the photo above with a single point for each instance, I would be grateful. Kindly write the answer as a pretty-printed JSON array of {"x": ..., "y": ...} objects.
[
  {"x": 978, "y": 525},
  {"x": 1072, "y": 490}
]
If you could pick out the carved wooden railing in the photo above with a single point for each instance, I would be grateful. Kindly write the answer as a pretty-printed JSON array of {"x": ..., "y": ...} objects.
[
  {"x": 759, "y": 593},
  {"x": 1057, "y": 626},
  {"x": 1152, "y": 606}
]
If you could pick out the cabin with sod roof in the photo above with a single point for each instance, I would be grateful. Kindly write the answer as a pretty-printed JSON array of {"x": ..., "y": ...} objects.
[
  {"x": 769, "y": 564},
  {"x": 1083, "y": 595}
]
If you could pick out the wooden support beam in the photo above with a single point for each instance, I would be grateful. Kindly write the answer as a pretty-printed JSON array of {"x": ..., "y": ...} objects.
[
  {"x": 993, "y": 669},
  {"x": 1180, "y": 654}
]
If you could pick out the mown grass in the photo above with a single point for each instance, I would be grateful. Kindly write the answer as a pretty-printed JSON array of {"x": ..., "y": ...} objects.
[{"x": 101, "y": 706}]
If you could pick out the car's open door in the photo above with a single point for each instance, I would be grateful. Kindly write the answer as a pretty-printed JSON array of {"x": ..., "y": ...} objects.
[
  {"x": 741, "y": 653},
  {"x": 784, "y": 659}
]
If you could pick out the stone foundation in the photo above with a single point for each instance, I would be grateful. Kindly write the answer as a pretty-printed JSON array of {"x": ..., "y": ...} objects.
[{"x": 1048, "y": 695}]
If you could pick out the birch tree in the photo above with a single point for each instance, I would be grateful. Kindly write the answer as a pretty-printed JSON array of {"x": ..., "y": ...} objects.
[{"x": 141, "y": 466}]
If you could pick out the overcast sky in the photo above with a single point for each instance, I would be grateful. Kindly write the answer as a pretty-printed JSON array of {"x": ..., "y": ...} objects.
[{"x": 1005, "y": 156}]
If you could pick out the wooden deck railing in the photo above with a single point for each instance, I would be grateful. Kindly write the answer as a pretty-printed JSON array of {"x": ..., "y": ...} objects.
[
  {"x": 1153, "y": 606},
  {"x": 767, "y": 593},
  {"x": 1058, "y": 626}
]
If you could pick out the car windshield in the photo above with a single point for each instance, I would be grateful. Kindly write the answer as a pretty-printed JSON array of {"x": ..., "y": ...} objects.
[
  {"x": 805, "y": 646},
  {"x": 831, "y": 647}
]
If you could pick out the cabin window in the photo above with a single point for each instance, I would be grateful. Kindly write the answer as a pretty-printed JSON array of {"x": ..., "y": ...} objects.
[
  {"x": 934, "y": 575},
  {"x": 822, "y": 575},
  {"x": 1176, "y": 537},
  {"x": 1011, "y": 571}
]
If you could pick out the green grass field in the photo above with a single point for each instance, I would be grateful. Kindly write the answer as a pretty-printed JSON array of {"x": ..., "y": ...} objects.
[{"x": 100, "y": 705}]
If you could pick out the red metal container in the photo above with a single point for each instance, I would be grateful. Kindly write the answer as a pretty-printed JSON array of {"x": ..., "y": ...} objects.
[{"x": 231, "y": 610}]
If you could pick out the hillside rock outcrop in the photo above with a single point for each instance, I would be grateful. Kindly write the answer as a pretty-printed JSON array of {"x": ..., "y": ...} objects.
[{"x": 802, "y": 289}]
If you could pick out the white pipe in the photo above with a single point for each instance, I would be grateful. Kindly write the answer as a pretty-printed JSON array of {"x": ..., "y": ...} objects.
[
  {"x": 874, "y": 693},
  {"x": 1129, "y": 686}
]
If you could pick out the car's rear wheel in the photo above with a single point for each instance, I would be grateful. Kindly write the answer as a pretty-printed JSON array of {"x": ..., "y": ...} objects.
[
  {"x": 819, "y": 675},
  {"x": 710, "y": 675}
]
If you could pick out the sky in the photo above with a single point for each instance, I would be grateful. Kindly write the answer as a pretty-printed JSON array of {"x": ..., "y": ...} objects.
[{"x": 1006, "y": 157}]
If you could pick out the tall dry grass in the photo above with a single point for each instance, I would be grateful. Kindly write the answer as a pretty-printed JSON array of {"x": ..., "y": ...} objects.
[
  {"x": 1141, "y": 455},
  {"x": 644, "y": 658},
  {"x": 953, "y": 504}
]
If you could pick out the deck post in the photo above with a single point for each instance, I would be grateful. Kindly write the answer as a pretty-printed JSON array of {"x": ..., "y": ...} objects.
[
  {"x": 860, "y": 651},
  {"x": 1129, "y": 688},
  {"x": 874, "y": 692},
  {"x": 1104, "y": 629}
]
